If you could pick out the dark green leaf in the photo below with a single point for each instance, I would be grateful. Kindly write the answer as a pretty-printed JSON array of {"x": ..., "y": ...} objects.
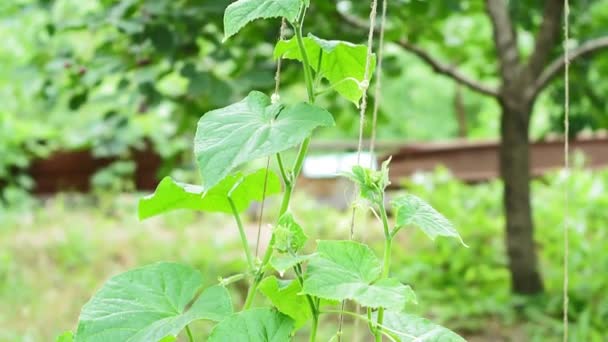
[
  {"x": 283, "y": 294},
  {"x": 242, "y": 12}
]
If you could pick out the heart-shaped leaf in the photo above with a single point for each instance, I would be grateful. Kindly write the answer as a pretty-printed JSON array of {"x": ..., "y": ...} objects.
[
  {"x": 413, "y": 211},
  {"x": 255, "y": 325},
  {"x": 412, "y": 328},
  {"x": 240, "y": 13},
  {"x": 349, "y": 270},
  {"x": 250, "y": 129},
  {"x": 171, "y": 195},
  {"x": 341, "y": 63},
  {"x": 149, "y": 304}
]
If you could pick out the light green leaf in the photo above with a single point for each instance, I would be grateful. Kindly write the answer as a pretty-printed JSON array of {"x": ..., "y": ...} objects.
[
  {"x": 283, "y": 294},
  {"x": 349, "y": 270},
  {"x": 250, "y": 129},
  {"x": 372, "y": 184},
  {"x": 282, "y": 263},
  {"x": 242, "y": 12},
  {"x": 150, "y": 303},
  {"x": 67, "y": 336},
  {"x": 171, "y": 195},
  {"x": 255, "y": 325},
  {"x": 288, "y": 236},
  {"x": 413, "y": 211},
  {"x": 342, "y": 63},
  {"x": 412, "y": 328}
]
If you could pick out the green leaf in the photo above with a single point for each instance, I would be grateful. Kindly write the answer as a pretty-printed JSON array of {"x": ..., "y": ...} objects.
[
  {"x": 412, "y": 328},
  {"x": 67, "y": 336},
  {"x": 250, "y": 129},
  {"x": 288, "y": 236},
  {"x": 171, "y": 195},
  {"x": 413, "y": 211},
  {"x": 150, "y": 303},
  {"x": 242, "y": 12},
  {"x": 255, "y": 325},
  {"x": 283, "y": 294},
  {"x": 282, "y": 263},
  {"x": 342, "y": 63},
  {"x": 372, "y": 184},
  {"x": 349, "y": 270}
]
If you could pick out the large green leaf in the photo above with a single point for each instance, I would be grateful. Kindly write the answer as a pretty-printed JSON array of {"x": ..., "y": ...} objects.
[
  {"x": 413, "y": 211},
  {"x": 171, "y": 195},
  {"x": 67, "y": 336},
  {"x": 250, "y": 129},
  {"x": 350, "y": 270},
  {"x": 255, "y": 325},
  {"x": 149, "y": 303},
  {"x": 283, "y": 294},
  {"x": 282, "y": 263},
  {"x": 242, "y": 12},
  {"x": 412, "y": 328},
  {"x": 341, "y": 63}
]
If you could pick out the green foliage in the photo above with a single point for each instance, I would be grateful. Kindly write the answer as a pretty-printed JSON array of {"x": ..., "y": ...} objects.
[
  {"x": 242, "y": 12},
  {"x": 411, "y": 328},
  {"x": 413, "y": 211},
  {"x": 350, "y": 270},
  {"x": 255, "y": 325},
  {"x": 150, "y": 303},
  {"x": 285, "y": 296},
  {"x": 288, "y": 236},
  {"x": 156, "y": 302},
  {"x": 341, "y": 63},
  {"x": 171, "y": 195},
  {"x": 250, "y": 129}
]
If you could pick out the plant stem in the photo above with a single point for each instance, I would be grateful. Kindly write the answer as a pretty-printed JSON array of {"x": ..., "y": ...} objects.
[
  {"x": 244, "y": 241},
  {"x": 297, "y": 168},
  {"x": 386, "y": 264},
  {"x": 190, "y": 337}
]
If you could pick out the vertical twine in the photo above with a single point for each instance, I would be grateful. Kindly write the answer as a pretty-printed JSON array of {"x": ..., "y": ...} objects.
[
  {"x": 378, "y": 93},
  {"x": 275, "y": 97},
  {"x": 566, "y": 161}
]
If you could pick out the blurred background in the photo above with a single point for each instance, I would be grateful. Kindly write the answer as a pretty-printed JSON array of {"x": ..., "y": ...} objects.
[{"x": 99, "y": 99}]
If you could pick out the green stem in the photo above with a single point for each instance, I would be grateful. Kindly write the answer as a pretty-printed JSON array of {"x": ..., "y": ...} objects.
[
  {"x": 190, "y": 337},
  {"x": 244, "y": 241},
  {"x": 286, "y": 178},
  {"x": 386, "y": 265},
  {"x": 299, "y": 159}
]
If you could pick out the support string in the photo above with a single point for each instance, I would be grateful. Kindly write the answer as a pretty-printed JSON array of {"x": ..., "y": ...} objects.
[{"x": 566, "y": 162}]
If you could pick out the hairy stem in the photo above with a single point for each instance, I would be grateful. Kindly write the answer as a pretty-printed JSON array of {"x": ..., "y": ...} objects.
[
  {"x": 386, "y": 265},
  {"x": 244, "y": 241}
]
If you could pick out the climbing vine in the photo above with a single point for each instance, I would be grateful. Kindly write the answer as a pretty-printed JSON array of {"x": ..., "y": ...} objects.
[{"x": 158, "y": 302}]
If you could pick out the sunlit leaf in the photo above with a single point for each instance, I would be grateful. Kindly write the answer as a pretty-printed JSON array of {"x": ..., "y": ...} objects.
[
  {"x": 171, "y": 195},
  {"x": 150, "y": 303},
  {"x": 288, "y": 236},
  {"x": 341, "y": 63},
  {"x": 283, "y": 294},
  {"x": 282, "y": 263},
  {"x": 252, "y": 128}
]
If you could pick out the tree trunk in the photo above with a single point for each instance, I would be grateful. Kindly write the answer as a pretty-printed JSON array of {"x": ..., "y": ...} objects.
[{"x": 515, "y": 172}]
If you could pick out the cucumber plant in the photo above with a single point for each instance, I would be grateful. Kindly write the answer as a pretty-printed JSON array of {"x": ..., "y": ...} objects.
[{"x": 160, "y": 301}]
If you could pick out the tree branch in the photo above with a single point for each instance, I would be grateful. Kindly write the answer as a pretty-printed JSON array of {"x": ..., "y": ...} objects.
[
  {"x": 505, "y": 39},
  {"x": 448, "y": 70},
  {"x": 555, "y": 67},
  {"x": 547, "y": 36}
]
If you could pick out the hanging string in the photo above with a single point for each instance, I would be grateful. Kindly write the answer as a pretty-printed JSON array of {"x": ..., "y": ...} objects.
[
  {"x": 364, "y": 86},
  {"x": 378, "y": 93},
  {"x": 566, "y": 161},
  {"x": 275, "y": 98}
]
